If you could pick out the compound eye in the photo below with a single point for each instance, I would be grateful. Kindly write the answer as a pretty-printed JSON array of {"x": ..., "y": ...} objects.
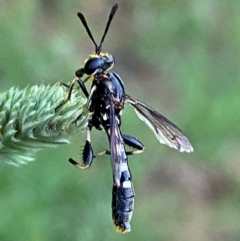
[{"x": 92, "y": 65}]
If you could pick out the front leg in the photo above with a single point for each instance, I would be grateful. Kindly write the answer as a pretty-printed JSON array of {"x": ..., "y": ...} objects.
[
  {"x": 82, "y": 86},
  {"x": 69, "y": 94}
]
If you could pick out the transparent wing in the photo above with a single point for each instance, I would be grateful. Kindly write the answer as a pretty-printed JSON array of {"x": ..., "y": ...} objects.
[
  {"x": 117, "y": 151},
  {"x": 165, "y": 131}
]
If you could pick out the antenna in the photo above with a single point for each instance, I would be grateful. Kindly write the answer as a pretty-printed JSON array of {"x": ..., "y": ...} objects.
[
  {"x": 84, "y": 23},
  {"x": 111, "y": 15}
]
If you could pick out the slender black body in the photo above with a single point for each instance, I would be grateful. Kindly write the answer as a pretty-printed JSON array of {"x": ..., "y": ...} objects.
[
  {"x": 106, "y": 99},
  {"x": 106, "y": 102}
]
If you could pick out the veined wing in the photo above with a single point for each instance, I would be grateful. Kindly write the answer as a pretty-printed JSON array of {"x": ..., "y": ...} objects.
[
  {"x": 122, "y": 192},
  {"x": 165, "y": 131},
  {"x": 117, "y": 151}
]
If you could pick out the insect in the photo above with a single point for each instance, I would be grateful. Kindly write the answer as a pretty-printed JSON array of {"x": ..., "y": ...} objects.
[{"x": 105, "y": 101}]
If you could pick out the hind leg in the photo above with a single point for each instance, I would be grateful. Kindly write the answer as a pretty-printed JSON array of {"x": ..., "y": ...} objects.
[{"x": 131, "y": 141}]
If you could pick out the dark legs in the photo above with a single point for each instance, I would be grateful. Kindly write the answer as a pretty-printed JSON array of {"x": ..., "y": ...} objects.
[
  {"x": 88, "y": 154},
  {"x": 134, "y": 143},
  {"x": 131, "y": 141},
  {"x": 82, "y": 86}
]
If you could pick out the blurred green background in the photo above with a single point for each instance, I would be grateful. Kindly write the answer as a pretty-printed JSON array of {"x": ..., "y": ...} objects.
[{"x": 182, "y": 58}]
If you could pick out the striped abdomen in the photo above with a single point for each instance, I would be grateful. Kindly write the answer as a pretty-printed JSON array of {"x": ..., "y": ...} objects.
[{"x": 123, "y": 201}]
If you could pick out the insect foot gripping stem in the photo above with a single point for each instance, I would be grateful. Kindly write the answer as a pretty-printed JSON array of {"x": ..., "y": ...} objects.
[{"x": 122, "y": 207}]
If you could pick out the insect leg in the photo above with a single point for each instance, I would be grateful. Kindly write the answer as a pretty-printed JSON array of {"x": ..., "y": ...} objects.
[
  {"x": 130, "y": 141},
  {"x": 134, "y": 143},
  {"x": 65, "y": 85},
  {"x": 69, "y": 94},
  {"x": 82, "y": 86},
  {"x": 87, "y": 155}
]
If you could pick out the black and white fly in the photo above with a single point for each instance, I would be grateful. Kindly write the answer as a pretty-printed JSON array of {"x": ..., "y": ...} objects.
[{"x": 106, "y": 99}]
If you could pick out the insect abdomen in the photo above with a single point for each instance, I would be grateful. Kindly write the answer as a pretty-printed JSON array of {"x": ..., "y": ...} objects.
[{"x": 122, "y": 206}]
